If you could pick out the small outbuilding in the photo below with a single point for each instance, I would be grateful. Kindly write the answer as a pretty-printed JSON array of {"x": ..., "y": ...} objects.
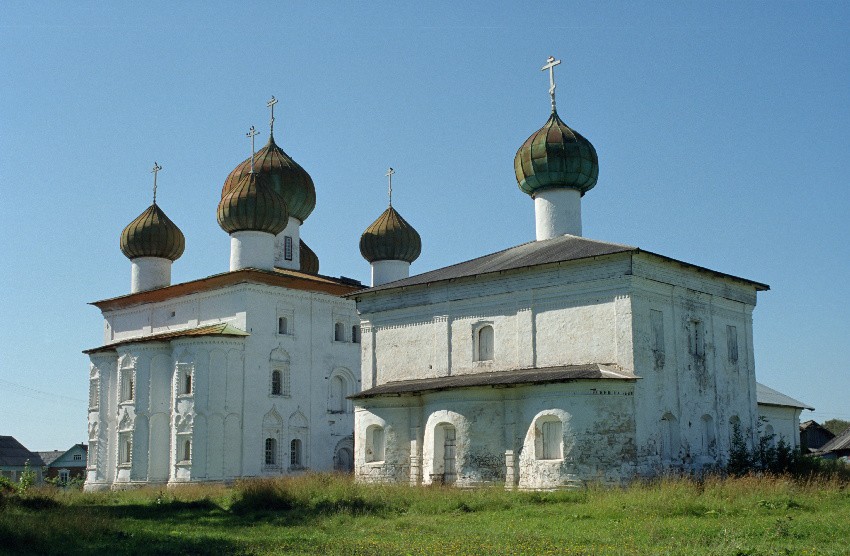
[
  {"x": 779, "y": 415},
  {"x": 14, "y": 458},
  {"x": 837, "y": 448},
  {"x": 813, "y": 436}
]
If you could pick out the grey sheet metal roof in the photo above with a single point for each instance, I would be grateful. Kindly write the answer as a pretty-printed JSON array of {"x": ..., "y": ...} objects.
[
  {"x": 559, "y": 249},
  {"x": 769, "y": 396},
  {"x": 222, "y": 329},
  {"x": 513, "y": 377},
  {"x": 51, "y": 456},
  {"x": 13, "y": 454},
  {"x": 840, "y": 442}
]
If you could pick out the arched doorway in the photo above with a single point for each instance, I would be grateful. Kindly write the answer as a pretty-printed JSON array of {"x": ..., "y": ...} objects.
[{"x": 445, "y": 454}]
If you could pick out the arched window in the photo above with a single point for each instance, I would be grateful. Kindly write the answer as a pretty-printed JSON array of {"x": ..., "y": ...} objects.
[
  {"x": 295, "y": 452},
  {"x": 339, "y": 390},
  {"x": 485, "y": 339},
  {"x": 271, "y": 452},
  {"x": 374, "y": 443},
  {"x": 187, "y": 383},
  {"x": 187, "y": 450},
  {"x": 355, "y": 334},
  {"x": 339, "y": 332},
  {"x": 277, "y": 384},
  {"x": 549, "y": 436}
]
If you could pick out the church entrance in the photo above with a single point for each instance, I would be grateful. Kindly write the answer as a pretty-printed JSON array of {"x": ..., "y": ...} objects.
[{"x": 449, "y": 445}]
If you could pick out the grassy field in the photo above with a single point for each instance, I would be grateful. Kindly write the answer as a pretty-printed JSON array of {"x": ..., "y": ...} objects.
[{"x": 327, "y": 514}]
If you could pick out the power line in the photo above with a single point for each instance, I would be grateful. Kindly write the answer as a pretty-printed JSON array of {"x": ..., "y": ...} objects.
[{"x": 34, "y": 393}]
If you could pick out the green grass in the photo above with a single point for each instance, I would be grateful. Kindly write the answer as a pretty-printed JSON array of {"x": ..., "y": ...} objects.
[{"x": 329, "y": 514}]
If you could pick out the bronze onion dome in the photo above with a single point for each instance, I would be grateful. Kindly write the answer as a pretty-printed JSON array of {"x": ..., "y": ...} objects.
[
  {"x": 252, "y": 205},
  {"x": 390, "y": 238},
  {"x": 309, "y": 259},
  {"x": 555, "y": 156},
  {"x": 283, "y": 174},
  {"x": 152, "y": 234}
]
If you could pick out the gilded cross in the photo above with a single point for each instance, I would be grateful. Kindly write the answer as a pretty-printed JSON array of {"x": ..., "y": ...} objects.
[
  {"x": 271, "y": 104},
  {"x": 389, "y": 175},
  {"x": 251, "y": 134},
  {"x": 551, "y": 62},
  {"x": 155, "y": 171}
]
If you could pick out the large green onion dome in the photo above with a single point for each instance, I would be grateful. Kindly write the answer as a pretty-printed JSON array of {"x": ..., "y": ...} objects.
[
  {"x": 252, "y": 205},
  {"x": 152, "y": 234},
  {"x": 283, "y": 174},
  {"x": 309, "y": 260},
  {"x": 390, "y": 238},
  {"x": 555, "y": 156}
]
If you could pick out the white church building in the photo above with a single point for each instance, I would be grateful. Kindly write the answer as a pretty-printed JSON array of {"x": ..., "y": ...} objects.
[
  {"x": 555, "y": 362},
  {"x": 244, "y": 373}
]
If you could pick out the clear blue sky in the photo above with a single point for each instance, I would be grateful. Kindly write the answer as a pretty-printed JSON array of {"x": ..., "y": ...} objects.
[{"x": 721, "y": 128}]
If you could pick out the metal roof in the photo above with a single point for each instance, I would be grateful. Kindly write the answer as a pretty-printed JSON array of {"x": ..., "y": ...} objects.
[
  {"x": 282, "y": 277},
  {"x": 513, "y": 377},
  {"x": 222, "y": 329},
  {"x": 559, "y": 249},
  {"x": 769, "y": 396},
  {"x": 840, "y": 442},
  {"x": 13, "y": 454}
]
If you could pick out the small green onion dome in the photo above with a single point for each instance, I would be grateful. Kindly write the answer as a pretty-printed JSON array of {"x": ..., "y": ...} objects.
[
  {"x": 152, "y": 234},
  {"x": 283, "y": 174},
  {"x": 252, "y": 205},
  {"x": 309, "y": 259},
  {"x": 390, "y": 238},
  {"x": 555, "y": 156}
]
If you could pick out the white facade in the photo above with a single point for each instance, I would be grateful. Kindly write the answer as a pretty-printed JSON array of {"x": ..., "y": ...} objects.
[
  {"x": 216, "y": 407},
  {"x": 678, "y": 337}
]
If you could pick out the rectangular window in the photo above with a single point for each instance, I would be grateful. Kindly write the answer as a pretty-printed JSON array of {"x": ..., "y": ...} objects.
[
  {"x": 94, "y": 393},
  {"x": 355, "y": 334},
  {"x": 125, "y": 448},
  {"x": 287, "y": 248},
  {"x": 295, "y": 453},
  {"x": 697, "y": 339},
  {"x": 552, "y": 433},
  {"x": 78, "y": 457},
  {"x": 185, "y": 376},
  {"x": 732, "y": 343},
  {"x": 127, "y": 385},
  {"x": 282, "y": 325}
]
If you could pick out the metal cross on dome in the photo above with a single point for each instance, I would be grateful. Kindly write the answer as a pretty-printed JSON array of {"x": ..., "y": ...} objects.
[
  {"x": 389, "y": 175},
  {"x": 551, "y": 62},
  {"x": 155, "y": 171},
  {"x": 251, "y": 134},
  {"x": 271, "y": 104}
]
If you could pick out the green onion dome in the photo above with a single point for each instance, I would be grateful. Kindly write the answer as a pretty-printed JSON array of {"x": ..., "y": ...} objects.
[
  {"x": 555, "y": 156},
  {"x": 390, "y": 238},
  {"x": 283, "y": 174},
  {"x": 152, "y": 234},
  {"x": 309, "y": 260},
  {"x": 252, "y": 205}
]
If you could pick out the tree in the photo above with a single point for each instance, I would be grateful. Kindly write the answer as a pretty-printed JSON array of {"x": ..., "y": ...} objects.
[{"x": 836, "y": 426}]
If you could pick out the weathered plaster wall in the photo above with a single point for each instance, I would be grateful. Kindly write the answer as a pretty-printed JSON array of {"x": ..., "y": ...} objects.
[{"x": 597, "y": 443}]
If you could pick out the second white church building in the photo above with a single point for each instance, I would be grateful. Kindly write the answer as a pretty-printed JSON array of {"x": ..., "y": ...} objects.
[{"x": 555, "y": 362}]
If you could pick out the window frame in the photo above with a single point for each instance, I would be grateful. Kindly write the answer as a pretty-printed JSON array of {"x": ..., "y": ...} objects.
[
  {"x": 479, "y": 355},
  {"x": 270, "y": 455},
  {"x": 296, "y": 456}
]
